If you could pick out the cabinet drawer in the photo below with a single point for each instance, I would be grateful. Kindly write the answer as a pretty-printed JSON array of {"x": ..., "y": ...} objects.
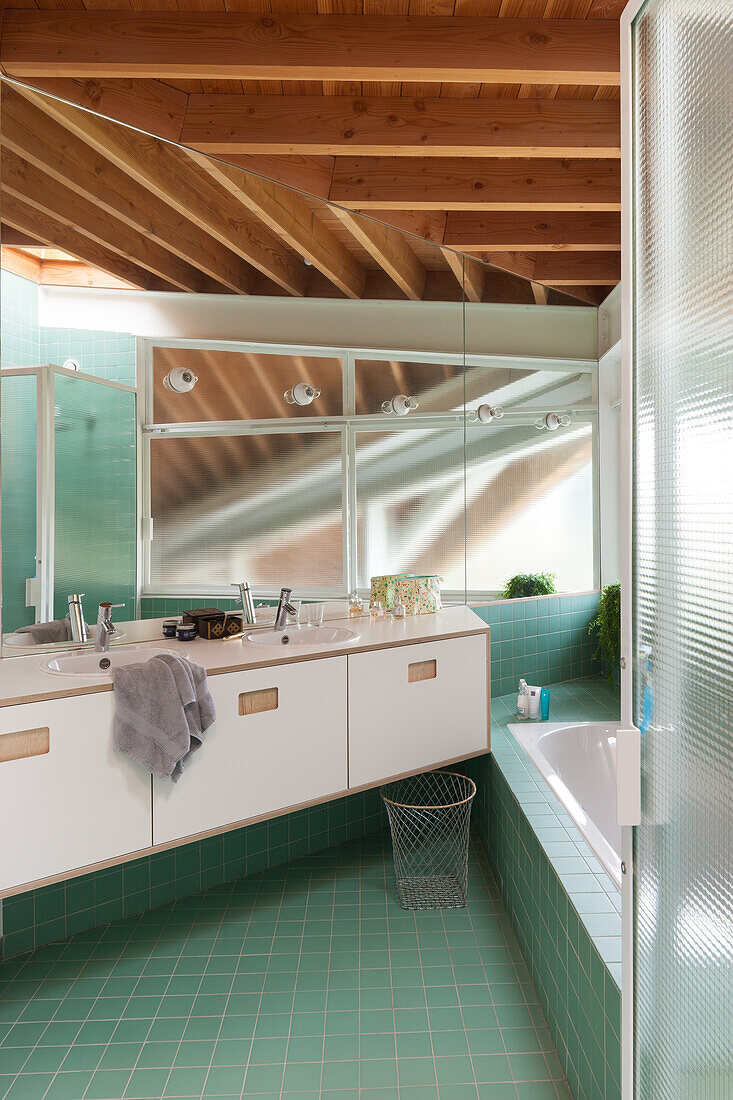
[
  {"x": 279, "y": 739},
  {"x": 67, "y": 800},
  {"x": 415, "y": 706}
]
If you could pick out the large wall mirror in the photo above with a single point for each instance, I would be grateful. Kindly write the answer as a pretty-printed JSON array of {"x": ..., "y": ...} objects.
[{"x": 209, "y": 377}]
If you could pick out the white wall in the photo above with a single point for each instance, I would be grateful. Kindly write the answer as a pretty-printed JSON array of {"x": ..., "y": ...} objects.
[{"x": 554, "y": 332}]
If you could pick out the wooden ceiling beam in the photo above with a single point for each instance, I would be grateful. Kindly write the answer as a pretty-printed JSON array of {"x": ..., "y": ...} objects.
[
  {"x": 287, "y": 214},
  {"x": 27, "y": 219},
  {"x": 439, "y": 183},
  {"x": 237, "y": 45},
  {"x": 31, "y": 185},
  {"x": 508, "y": 231},
  {"x": 167, "y": 173},
  {"x": 561, "y": 269},
  {"x": 390, "y": 248},
  {"x": 148, "y": 105},
  {"x": 74, "y": 273},
  {"x": 470, "y": 273},
  {"x": 40, "y": 140},
  {"x": 401, "y": 126}
]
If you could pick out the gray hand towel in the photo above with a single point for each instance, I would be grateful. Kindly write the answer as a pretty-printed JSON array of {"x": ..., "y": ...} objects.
[
  {"x": 58, "y": 630},
  {"x": 162, "y": 709}
]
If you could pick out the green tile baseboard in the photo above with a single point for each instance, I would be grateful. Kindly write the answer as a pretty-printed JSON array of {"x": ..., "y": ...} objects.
[
  {"x": 545, "y": 640},
  {"x": 51, "y": 913}
]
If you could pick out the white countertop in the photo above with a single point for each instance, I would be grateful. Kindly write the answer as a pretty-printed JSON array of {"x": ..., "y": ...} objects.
[{"x": 22, "y": 679}]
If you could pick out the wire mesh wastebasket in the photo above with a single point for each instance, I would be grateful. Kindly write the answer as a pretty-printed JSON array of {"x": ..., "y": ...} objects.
[{"x": 429, "y": 817}]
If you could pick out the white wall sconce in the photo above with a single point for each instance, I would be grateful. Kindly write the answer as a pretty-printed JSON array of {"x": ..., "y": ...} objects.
[
  {"x": 485, "y": 413},
  {"x": 552, "y": 421},
  {"x": 302, "y": 393},
  {"x": 180, "y": 380},
  {"x": 400, "y": 405}
]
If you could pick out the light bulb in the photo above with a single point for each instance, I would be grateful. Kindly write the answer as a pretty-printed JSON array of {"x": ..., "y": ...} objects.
[
  {"x": 401, "y": 405},
  {"x": 487, "y": 413},
  {"x": 303, "y": 393}
]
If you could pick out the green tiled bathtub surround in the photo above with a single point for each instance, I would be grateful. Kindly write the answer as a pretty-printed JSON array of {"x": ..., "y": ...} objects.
[
  {"x": 52, "y": 912},
  {"x": 545, "y": 639},
  {"x": 565, "y": 910},
  {"x": 307, "y": 980}
]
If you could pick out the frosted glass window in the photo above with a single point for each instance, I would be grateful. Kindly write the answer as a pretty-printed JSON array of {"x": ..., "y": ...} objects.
[
  {"x": 529, "y": 504},
  {"x": 410, "y": 504},
  {"x": 437, "y": 386},
  {"x": 264, "y": 507},
  {"x": 243, "y": 385},
  {"x": 519, "y": 389},
  {"x": 95, "y": 548},
  {"x": 18, "y": 445}
]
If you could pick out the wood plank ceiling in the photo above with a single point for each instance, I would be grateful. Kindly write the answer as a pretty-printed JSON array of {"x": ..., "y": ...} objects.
[{"x": 487, "y": 126}]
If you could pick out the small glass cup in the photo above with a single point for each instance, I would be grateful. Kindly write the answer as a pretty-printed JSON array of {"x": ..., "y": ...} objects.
[{"x": 313, "y": 614}]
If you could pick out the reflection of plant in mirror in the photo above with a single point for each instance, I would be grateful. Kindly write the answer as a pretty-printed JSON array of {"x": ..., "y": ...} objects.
[
  {"x": 607, "y": 628},
  {"x": 528, "y": 584}
]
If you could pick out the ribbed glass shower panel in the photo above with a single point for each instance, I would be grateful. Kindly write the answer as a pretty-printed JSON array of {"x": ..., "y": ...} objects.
[
  {"x": 95, "y": 479},
  {"x": 683, "y": 547},
  {"x": 19, "y": 439}
]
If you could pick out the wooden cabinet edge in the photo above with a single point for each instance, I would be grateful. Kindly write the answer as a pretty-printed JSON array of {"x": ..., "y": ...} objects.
[
  {"x": 154, "y": 849},
  {"x": 290, "y": 659}
]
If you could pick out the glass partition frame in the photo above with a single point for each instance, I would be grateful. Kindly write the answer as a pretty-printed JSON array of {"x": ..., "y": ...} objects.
[
  {"x": 350, "y": 424},
  {"x": 46, "y": 374}
]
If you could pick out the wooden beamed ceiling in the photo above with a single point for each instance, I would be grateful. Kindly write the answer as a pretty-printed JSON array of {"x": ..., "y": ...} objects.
[{"x": 487, "y": 126}]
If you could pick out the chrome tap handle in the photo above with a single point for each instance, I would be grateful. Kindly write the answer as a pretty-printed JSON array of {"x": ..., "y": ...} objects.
[
  {"x": 79, "y": 632},
  {"x": 249, "y": 616},
  {"x": 105, "y": 626}
]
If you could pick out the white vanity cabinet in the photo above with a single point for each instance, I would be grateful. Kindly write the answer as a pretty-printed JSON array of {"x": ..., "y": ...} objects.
[
  {"x": 279, "y": 739},
  {"x": 414, "y": 706},
  {"x": 67, "y": 800}
]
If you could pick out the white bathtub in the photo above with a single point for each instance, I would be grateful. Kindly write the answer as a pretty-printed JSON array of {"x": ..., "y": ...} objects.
[{"x": 579, "y": 764}]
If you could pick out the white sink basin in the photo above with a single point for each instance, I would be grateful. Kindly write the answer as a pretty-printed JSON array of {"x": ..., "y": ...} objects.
[
  {"x": 99, "y": 664},
  {"x": 304, "y": 636},
  {"x": 24, "y": 641}
]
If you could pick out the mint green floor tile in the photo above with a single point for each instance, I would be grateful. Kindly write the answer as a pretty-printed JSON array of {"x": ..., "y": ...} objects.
[
  {"x": 66, "y": 1086},
  {"x": 186, "y": 1083},
  {"x": 193, "y": 1004},
  {"x": 107, "y": 1083}
]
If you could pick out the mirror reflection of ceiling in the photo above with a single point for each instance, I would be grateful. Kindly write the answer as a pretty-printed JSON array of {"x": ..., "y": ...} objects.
[{"x": 457, "y": 156}]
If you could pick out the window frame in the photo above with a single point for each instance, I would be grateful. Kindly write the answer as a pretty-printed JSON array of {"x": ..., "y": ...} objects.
[{"x": 349, "y": 424}]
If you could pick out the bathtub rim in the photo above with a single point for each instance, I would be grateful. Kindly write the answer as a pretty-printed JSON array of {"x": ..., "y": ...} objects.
[{"x": 609, "y": 859}]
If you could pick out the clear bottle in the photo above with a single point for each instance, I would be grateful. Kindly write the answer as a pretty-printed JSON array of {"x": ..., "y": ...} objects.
[
  {"x": 376, "y": 611},
  {"x": 398, "y": 609},
  {"x": 356, "y": 604},
  {"x": 523, "y": 702}
]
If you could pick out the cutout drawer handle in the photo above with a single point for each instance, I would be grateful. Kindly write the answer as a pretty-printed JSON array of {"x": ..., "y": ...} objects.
[
  {"x": 422, "y": 670},
  {"x": 24, "y": 743},
  {"x": 257, "y": 702}
]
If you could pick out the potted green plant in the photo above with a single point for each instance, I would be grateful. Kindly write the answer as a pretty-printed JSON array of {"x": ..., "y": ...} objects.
[
  {"x": 606, "y": 628},
  {"x": 528, "y": 584}
]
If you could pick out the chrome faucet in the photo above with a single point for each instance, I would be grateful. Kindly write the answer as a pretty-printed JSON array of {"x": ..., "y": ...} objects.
[
  {"x": 79, "y": 632},
  {"x": 105, "y": 627},
  {"x": 284, "y": 608},
  {"x": 249, "y": 617}
]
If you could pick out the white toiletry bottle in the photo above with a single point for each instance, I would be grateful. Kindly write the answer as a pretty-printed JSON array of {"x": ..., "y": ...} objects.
[
  {"x": 534, "y": 701},
  {"x": 522, "y": 702}
]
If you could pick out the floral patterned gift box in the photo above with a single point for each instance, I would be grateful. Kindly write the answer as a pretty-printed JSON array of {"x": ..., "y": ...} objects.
[{"x": 419, "y": 594}]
